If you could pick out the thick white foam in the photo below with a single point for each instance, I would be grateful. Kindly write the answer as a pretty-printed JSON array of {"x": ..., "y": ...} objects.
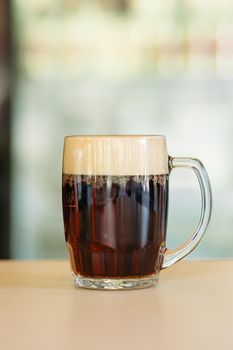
[{"x": 115, "y": 155}]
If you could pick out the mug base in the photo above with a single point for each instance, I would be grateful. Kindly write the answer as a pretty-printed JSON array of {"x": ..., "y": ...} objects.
[{"x": 115, "y": 283}]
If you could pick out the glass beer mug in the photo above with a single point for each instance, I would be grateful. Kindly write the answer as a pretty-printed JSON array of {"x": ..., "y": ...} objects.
[{"x": 115, "y": 208}]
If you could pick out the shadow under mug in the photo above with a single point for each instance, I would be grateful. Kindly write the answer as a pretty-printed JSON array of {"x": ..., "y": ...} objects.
[{"x": 115, "y": 205}]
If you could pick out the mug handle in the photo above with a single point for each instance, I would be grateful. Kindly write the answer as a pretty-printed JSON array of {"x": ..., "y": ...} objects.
[{"x": 171, "y": 256}]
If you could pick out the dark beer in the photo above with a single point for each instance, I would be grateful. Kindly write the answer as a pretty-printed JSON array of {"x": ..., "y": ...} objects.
[{"x": 115, "y": 226}]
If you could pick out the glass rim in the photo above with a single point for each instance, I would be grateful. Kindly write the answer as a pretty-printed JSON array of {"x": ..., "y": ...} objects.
[{"x": 116, "y": 136}]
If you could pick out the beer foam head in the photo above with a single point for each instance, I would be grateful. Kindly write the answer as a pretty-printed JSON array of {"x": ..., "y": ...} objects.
[{"x": 115, "y": 155}]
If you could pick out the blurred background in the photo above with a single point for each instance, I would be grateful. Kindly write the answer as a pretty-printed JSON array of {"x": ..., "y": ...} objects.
[{"x": 113, "y": 66}]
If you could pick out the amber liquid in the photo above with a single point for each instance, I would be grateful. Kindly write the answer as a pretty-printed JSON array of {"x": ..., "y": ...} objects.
[{"x": 115, "y": 226}]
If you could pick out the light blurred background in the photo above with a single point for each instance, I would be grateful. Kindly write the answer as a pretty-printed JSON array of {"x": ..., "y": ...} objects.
[{"x": 113, "y": 66}]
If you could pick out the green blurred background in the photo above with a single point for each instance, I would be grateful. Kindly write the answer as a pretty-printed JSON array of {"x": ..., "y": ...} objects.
[{"x": 119, "y": 66}]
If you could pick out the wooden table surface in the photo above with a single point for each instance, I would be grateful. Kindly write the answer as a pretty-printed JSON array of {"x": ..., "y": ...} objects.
[{"x": 191, "y": 308}]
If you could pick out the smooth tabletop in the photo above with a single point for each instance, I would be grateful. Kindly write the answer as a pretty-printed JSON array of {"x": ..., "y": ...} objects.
[{"x": 190, "y": 308}]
